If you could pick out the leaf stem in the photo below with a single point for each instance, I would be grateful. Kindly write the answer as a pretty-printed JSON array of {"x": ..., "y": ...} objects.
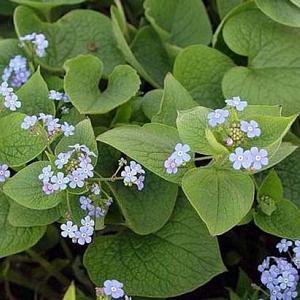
[{"x": 48, "y": 267}]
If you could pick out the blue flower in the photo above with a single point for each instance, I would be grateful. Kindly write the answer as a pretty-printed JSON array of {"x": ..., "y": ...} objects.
[
  {"x": 38, "y": 40},
  {"x": 251, "y": 128},
  {"x": 67, "y": 129},
  {"x": 4, "y": 172},
  {"x": 68, "y": 229},
  {"x": 296, "y": 249},
  {"x": 59, "y": 181},
  {"x": 237, "y": 103},
  {"x": 129, "y": 176},
  {"x": 86, "y": 169},
  {"x": 180, "y": 155},
  {"x": 171, "y": 166},
  {"x": 46, "y": 174},
  {"x": 16, "y": 72},
  {"x": 259, "y": 157},
  {"x": 48, "y": 188},
  {"x": 12, "y": 102},
  {"x": 29, "y": 121},
  {"x": 283, "y": 245},
  {"x": 140, "y": 182},
  {"x": 83, "y": 235},
  {"x": 76, "y": 179},
  {"x": 241, "y": 158},
  {"x": 217, "y": 117},
  {"x": 95, "y": 189},
  {"x": 62, "y": 159},
  {"x": 87, "y": 221},
  {"x": 113, "y": 288},
  {"x": 84, "y": 202}
]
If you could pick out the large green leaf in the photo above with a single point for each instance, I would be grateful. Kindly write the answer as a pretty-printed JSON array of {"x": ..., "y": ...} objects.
[
  {"x": 152, "y": 102},
  {"x": 77, "y": 32},
  {"x": 225, "y": 6},
  {"x": 273, "y": 72},
  {"x": 283, "y": 222},
  {"x": 179, "y": 23},
  {"x": 193, "y": 129},
  {"x": 175, "y": 97},
  {"x": 34, "y": 96},
  {"x": 148, "y": 210},
  {"x": 19, "y": 146},
  {"x": 22, "y": 216},
  {"x": 176, "y": 259},
  {"x": 82, "y": 80},
  {"x": 282, "y": 11},
  {"x": 15, "y": 239},
  {"x": 83, "y": 135},
  {"x": 289, "y": 172},
  {"x": 42, "y": 4},
  {"x": 220, "y": 197},
  {"x": 146, "y": 54},
  {"x": 150, "y": 145},
  {"x": 26, "y": 189},
  {"x": 200, "y": 70}
]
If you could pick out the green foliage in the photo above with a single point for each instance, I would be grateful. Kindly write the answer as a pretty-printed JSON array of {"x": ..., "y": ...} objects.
[
  {"x": 150, "y": 161},
  {"x": 178, "y": 23},
  {"x": 26, "y": 189},
  {"x": 273, "y": 71},
  {"x": 218, "y": 197},
  {"x": 77, "y": 32},
  {"x": 15, "y": 239},
  {"x": 81, "y": 84},
  {"x": 19, "y": 146},
  {"x": 175, "y": 252}
]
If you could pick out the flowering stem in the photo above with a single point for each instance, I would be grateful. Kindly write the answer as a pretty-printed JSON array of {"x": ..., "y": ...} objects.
[
  {"x": 48, "y": 267},
  {"x": 258, "y": 288},
  {"x": 203, "y": 158}
]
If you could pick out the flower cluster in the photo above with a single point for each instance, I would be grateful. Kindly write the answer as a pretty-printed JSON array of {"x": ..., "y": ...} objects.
[
  {"x": 50, "y": 123},
  {"x": 11, "y": 100},
  {"x": 279, "y": 275},
  {"x": 83, "y": 234},
  {"x": 58, "y": 96},
  {"x": 111, "y": 289},
  {"x": 132, "y": 174},
  {"x": 178, "y": 158},
  {"x": 39, "y": 42},
  {"x": 16, "y": 73},
  {"x": 4, "y": 172},
  {"x": 253, "y": 158},
  {"x": 94, "y": 204},
  {"x": 75, "y": 167},
  {"x": 250, "y": 159}
]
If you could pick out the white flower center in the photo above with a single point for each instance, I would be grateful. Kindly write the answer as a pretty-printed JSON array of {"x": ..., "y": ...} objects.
[
  {"x": 240, "y": 157},
  {"x": 179, "y": 153},
  {"x": 217, "y": 115},
  {"x": 250, "y": 128},
  {"x": 83, "y": 235},
  {"x": 59, "y": 181},
  {"x": 113, "y": 289},
  {"x": 258, "y": 157},
  {"x": 1, "y": 173}
]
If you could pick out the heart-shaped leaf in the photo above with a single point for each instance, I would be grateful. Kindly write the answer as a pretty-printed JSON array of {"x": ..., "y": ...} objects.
[
  {"x": 200, "y": 70},
  {"x": 77, "y": 32},
  {"x": 176, "y": 259},
  {"x": 221, "y": 197},
  {"x": 273, "y": 72},
  {"x": 148, "y": 210},
  {"x": 81, "y": 85}
]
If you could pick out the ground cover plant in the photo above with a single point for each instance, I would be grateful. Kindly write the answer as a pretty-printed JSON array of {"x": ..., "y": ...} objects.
[{"x": 149, "y": 149}]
